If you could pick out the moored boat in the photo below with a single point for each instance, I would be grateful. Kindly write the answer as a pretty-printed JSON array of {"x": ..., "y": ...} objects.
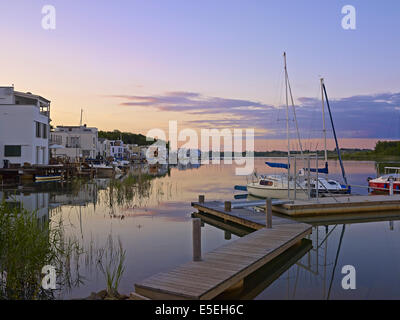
[
  {"x": 279, "y": 186},
  {"x": 382, "y": 183},
  {"x": 103, "y": 170},
  {"x": 48, "y": 178}
]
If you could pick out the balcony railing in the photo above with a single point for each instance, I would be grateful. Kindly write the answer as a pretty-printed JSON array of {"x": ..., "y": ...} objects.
[{"x": 55, "y": 140}]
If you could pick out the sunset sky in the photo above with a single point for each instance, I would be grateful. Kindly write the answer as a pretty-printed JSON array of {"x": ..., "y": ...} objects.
[{"x": 133, "y": 65}]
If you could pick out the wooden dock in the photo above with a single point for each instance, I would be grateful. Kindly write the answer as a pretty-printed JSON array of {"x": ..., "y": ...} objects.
[
  {"x": 18, "y": 175},
  {"x": 230, "y": 264},
  {"x": 339, "y": 205},
  {"x": 243, "y": 215}
]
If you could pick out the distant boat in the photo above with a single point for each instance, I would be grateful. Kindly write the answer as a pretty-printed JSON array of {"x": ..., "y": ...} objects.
[
  {"x": 103, "y": 170},
  {"x": 48, "y": 178},
  {"x": 121, "y": 163}
]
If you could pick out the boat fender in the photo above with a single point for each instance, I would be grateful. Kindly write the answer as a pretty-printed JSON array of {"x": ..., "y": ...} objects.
[
  {"x": 348, "y": 191},
  {"x": 241, "y": 188}
]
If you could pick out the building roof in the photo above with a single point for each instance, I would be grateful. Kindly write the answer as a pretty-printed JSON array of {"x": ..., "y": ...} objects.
[
  {"x": 76, "y": 127},
  {"x": 30, "y": 96}
]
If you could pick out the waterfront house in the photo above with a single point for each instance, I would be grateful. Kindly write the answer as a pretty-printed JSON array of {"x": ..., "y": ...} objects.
[
  {"x": 117, "y": 149},
  {"x": 132, "y": 151},
  {"x": 103, "y": 148},
  {"x": 77, "y": 142},
  {"x": 24, "y": 128}
]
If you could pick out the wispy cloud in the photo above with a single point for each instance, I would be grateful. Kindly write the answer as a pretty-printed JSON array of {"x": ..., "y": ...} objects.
[{"x": 362, "y": 116}]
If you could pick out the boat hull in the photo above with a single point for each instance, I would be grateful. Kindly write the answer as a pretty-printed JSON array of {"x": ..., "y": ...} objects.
[
  {"x": 105, "y": 172},
  {"x": 384, "y": 185},
  {"x": 48, "y": 178},
  {"x": 256, "y": 190},
  {"x": 275, "y": 193}
]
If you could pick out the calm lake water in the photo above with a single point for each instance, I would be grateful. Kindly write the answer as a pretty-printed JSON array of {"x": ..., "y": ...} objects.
[{"x": 152, "y": 220}]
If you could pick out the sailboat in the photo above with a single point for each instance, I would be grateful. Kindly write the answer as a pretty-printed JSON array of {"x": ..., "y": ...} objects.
[{"x": 301, "y": 184}]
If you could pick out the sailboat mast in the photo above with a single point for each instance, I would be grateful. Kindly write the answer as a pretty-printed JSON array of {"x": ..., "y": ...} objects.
[
  {"x": 323, "y": 119},
  {"x": 334, "y": 135},
  {"x": 287, "y": 107},
  {"x": 294, "y": 114},
  {"x": 287, "y": 124}
]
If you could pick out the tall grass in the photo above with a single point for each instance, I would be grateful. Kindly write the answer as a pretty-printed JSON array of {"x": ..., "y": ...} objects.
[
  {"x": 111, "y": 261},
  {"x": 27, "y": 244},
  {"x": 123, "y": 192}
]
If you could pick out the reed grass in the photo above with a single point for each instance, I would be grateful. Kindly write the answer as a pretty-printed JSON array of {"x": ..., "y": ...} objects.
[
  {"x": 27, "y": 244},
  {"x": 111, "y": 261}
]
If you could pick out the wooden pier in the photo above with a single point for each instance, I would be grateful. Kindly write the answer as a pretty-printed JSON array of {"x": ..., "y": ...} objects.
[
  {"x": 339, "y": 205},
  {"x": 27, "y": 174},
  {"x": 230, "y": 264}
]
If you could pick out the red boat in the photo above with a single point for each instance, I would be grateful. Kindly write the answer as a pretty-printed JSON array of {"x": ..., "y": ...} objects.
[{"x": 382, "y": 184}]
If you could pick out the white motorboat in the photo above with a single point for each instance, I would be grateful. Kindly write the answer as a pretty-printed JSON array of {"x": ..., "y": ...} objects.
[{"x": 276, "y": 186}]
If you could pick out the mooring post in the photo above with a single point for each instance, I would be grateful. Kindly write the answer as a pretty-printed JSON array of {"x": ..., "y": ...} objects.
[
  {"x": 295, "y": 177},
  {"x": 268, "y": 213},
  {"x": 391, "y": 187},
  {"x": 228, "y": 206},
  {"x": 201, "y": 199},
  {"x": 196, "y": 234},
  {"x": 308, "y": 179}
]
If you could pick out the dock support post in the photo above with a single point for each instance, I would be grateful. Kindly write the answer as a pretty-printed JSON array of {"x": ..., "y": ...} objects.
[
  {"x": 317, "y": 182},
  {"x": 196, "y": 239},
  {"x": 268, "y": 213},
  {"x": 308, "y": 179},
  {"x": 201, "y": 199},
  {"x": 295, "y": 177},
  {"x": 228, "y": 206},
  {"x": 391, "y": 187}
]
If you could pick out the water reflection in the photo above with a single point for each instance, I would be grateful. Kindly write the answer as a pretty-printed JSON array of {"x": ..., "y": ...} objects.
[{"x": 148, "y": 210}]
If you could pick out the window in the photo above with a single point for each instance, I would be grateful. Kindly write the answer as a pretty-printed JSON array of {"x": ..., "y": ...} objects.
[
  {"x": 266, "y": 183},
  {"x": 73, "y": 142},
  {"x": 38, "y": 131},
  {"x": 37, "y": 155},
  {"x": 44, "y": 135},
  {"x": 12, "y": 151}
]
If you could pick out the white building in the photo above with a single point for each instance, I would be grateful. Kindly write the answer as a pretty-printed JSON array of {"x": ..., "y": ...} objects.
[
  {"x": 24, "y": 127},
  {"x": 103, "y": 147},
  {"x": 76, "y": 141},
  {"x": 117, "y": 149}
]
